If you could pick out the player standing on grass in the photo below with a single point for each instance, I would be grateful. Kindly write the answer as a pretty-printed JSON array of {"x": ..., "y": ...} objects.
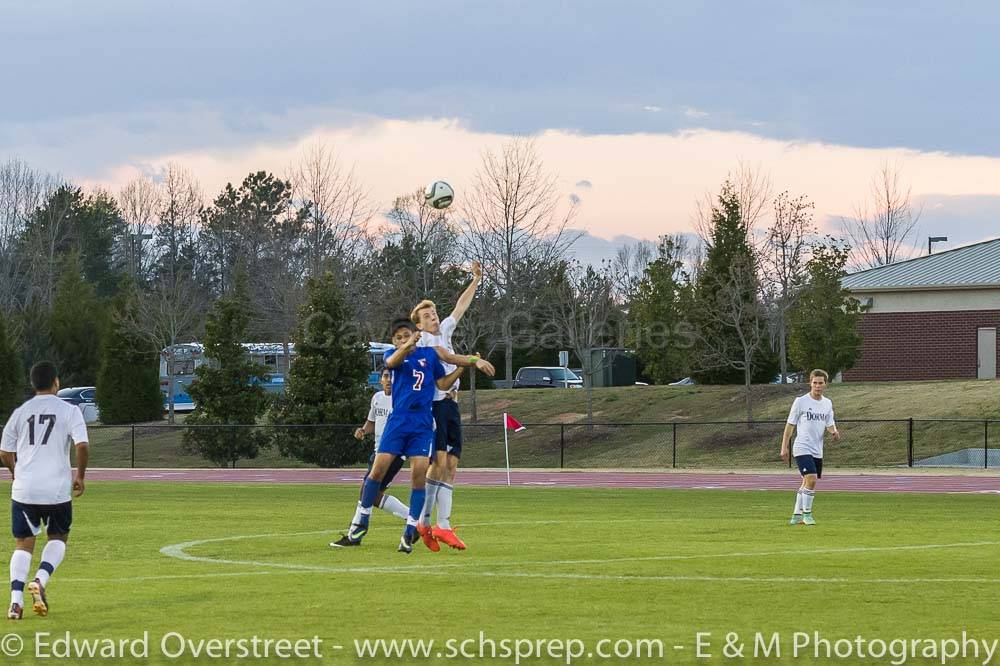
[
  {"x": 35, "y": 448},
  {"x": 447, "y": 419},
  {"x": 811, "y": 417},
  {"x": 409, "y": 430},
  {"x": 378, "y": 414}
]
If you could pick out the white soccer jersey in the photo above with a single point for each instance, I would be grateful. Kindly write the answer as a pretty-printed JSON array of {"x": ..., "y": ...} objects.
[
  {"x": 379, "y": 413},
  {"x": 811, "y": 418},
  {"x": 39, "y": 432},
  {"x": 442, "y": 339}
]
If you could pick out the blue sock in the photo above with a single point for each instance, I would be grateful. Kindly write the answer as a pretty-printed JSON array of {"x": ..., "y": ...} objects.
[
  {"x": 417, "y": 498},
  {"x": 368, "y": 494}
]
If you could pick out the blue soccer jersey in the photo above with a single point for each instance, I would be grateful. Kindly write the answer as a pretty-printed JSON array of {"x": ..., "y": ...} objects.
[{"x": 410, "y": 428}]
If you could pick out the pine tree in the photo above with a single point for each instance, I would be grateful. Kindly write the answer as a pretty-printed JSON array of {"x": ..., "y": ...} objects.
[
  {"x": 658, "y": 334},
  {"x": 326, "y": 383},
  {"x": 823, "y": 325},
  {"x": 729, "y": 272},
  {"x": 128, "y": 383},
  {"x": 77, "y": 324},
  {"x": 11, "y": 381},
  {"x": 226, "y": 391}
]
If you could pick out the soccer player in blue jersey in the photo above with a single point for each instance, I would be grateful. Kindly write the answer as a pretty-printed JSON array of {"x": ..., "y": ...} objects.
[{"x": 409, "y": 432}]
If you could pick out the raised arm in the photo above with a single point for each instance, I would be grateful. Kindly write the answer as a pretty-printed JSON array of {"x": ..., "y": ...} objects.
[
  {"x": 466, "y": 361},
  {"x": 396, "y": 358},
  {"x": 465, "y": 300}
]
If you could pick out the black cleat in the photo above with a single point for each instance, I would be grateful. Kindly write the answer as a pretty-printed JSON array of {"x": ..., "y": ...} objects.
[
  {"x": 345, "y": 542},
  {"x": 406, "y": 542}
]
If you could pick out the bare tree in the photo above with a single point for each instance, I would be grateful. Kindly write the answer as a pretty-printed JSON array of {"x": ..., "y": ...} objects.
[
  {"x": 477, "y": 333},
  {"x": 580, "y": 305},
  {"x": 47, "y": 234},
  {"x": 339, "y": 208},
  {"x": 885, "y": 224},
  {"x": 628, "y": 267},
  {"x": 431, "y": 232},
  {"x": 22, "y": 192},
  {"x": 744, "y": 316},
  {"x": 752, "y": 189},
  {"x": 181, "y": 201},
  {"x": 784, "y": 260},
  {"x": 141, "y": 201},
  {"x": 513, "y": 225}
]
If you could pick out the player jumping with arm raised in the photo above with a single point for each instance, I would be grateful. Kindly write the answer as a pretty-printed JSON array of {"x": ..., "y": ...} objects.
[
  {"x": 447, "y": 418},
  {"x": 410, "y": 429},
  {"x": 810, "y": 417}
]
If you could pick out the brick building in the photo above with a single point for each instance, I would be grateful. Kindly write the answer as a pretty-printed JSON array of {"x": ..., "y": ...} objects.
[{"x": 933, "y": 317}]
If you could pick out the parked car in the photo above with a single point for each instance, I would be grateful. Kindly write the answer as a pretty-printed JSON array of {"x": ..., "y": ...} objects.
[
  {"x": 547, "y": 377},
  {"x": 82, "y": 397},
  {"x": 687, "y": 381}
]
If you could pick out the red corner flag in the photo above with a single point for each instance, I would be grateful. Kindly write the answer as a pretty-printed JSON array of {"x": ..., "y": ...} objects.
[{"x": 511, "y": 423}]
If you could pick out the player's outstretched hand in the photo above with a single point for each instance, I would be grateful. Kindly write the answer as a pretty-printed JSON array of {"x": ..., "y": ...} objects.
[
  {"x": 485, "y": 366},
  {"x": 359, "y": 434},
  {"x": 414, "y": 339},
  {"x": 78, "y": 486},
  {"x": 477, "y": 270}
]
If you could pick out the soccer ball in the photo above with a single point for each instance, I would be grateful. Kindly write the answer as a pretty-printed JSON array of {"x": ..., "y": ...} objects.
[{"x": 439, "y": 194}]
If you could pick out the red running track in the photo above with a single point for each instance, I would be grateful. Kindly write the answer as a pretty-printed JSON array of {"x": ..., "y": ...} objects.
[{"x": 929, "y": 483}]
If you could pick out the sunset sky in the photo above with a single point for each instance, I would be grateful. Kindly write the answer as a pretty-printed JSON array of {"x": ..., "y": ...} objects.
[{"x": 639, "y": 108}]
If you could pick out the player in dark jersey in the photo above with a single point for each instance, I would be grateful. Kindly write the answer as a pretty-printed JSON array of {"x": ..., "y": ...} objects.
[{"x": 410, "y": 429}]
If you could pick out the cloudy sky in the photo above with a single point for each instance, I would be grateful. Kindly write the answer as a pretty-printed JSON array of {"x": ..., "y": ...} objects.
[{"x": 640, "y": 108}]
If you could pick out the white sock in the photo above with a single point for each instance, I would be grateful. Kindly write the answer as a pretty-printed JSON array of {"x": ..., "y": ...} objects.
[
  {"x": 444, "y": 506},
  {"x": 394, "y": 506},
  {"x": 807, "y": 500},
  {"x": 433, "y": 487},
  {"x": 20, "y": 564},
  {"x": 798, "y": 501},
  {"x": 52, "y": 557},
  {"x": 357, "y": 515}
]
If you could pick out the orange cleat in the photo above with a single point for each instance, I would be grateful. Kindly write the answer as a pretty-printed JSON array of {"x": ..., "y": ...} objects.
[
  {"x": 427, "y": 536},
  {"x": 448, "y": 536}
]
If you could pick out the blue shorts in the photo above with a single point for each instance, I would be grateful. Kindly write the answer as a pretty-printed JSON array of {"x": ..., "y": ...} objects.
[
  {"x": 407, "y": 437},
  {"x": 810, "y": 465},
  {"x": 390, "y": 474},
  {"x": 26, "y": 519},
  {"x": 447, "y": 427}
]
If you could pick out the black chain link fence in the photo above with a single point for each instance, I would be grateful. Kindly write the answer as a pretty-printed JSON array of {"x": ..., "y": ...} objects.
[{"x": 959, "y": 443}]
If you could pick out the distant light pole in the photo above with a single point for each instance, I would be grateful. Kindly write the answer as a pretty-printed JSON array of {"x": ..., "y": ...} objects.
[{"x": 934, "y": 239}]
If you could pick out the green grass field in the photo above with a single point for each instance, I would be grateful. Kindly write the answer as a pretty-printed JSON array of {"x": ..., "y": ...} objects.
[{"x": 542, "y": 564}]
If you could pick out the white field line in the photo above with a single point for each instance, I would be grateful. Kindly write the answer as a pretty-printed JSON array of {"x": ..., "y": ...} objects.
[{"x": 178, "y": 551}]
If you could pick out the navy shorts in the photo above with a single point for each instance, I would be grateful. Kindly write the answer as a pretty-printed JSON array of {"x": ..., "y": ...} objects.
[
  {"x": 810, "y": 465},
  {"x": 447, "y": 427},
  {"x": 390, "y": 474},
  {"x": 26, "y": 519}
]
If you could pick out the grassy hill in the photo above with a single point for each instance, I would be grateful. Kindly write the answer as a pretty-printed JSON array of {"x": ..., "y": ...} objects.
[{"x": 630, "y": 431}]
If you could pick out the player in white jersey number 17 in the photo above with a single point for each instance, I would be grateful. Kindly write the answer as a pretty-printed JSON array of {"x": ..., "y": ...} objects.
[{"x": 35, "y": 447}]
